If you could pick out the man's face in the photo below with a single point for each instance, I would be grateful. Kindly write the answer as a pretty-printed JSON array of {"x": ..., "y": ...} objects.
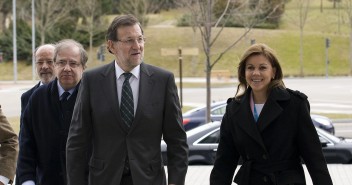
[
  {"x": 129, "y": 49},
  {"x": 68, "y": 67},
  {"x": 44, "y": 63}
]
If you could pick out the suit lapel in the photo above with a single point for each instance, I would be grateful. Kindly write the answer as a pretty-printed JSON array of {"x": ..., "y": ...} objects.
[
  {"x": 109, "y": 87},
  {"x": 146, "y": 85}
]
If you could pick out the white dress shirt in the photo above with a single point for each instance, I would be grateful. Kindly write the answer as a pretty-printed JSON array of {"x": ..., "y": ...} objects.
[{"x": 134, "y": 83}]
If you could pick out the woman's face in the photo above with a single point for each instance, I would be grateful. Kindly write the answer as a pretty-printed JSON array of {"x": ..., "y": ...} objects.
[{"x": 259, "y": 73}]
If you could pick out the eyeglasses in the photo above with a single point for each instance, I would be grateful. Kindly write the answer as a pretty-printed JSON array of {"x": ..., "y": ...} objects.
[
  {"x": 130, "y": 42},
  {"x": 64, "y": 63}
]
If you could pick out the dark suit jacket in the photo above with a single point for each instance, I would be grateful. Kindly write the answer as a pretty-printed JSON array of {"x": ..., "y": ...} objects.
[
  {"x": 43, "y": 137},
  {"x": 97, "y": 119},
  {"x": 25, "y": 97},
  {"x": 271, "y": 148},
  {"x": 8, "y": 149}
]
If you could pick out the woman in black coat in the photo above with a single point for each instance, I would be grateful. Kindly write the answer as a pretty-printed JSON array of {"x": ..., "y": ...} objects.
[{"x": 269, "y": 127}]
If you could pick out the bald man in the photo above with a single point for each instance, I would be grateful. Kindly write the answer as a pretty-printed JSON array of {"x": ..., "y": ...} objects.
[{"x": 44, "y": 63}]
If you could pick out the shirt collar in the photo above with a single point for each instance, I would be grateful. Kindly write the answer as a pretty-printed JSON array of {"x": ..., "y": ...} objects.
[
  {"x": 61, "y": 90},
  {"x": 135, "y": 71}
]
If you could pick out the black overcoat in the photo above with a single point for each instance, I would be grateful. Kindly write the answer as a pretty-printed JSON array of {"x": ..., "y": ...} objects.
[
  {"x": 43, "y": 137},
  {"x": 272, "y": 148}
]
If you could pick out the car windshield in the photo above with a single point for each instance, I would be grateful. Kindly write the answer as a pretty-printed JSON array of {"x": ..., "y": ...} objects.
[
  {"x": 193, "y": 110},
  {"x": 220, "y": 104},
  {"x": 202, "y": 128}
]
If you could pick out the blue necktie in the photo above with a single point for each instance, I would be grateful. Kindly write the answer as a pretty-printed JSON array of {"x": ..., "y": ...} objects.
[
  {"x": 64, "y": 96},
  {"x": 126, "y": 106}
]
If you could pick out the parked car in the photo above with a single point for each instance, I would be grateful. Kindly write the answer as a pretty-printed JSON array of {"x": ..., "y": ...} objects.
[
  {"x": 203, "y": 143},
  {"x": 196, "y": 117}
]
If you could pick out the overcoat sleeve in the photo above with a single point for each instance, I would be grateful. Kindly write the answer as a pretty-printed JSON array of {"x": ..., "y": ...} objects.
[
  {"x": 174, "y": 135},
  {"x": 8, "y": 148},
  {"x": 27, "y": 158},
  {"x": 226, "y": 156},
  {"x": 310, "y": 148},
  {"x": 80, "y": 132}
]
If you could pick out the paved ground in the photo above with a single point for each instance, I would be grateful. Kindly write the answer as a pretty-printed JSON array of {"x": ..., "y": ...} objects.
[{"x": 340, "y": 174}]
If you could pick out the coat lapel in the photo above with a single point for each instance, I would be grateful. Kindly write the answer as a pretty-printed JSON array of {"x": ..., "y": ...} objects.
[
  {"x": 109, "y": 88},
  {"x": 272, "y": 108},
  {"x": 54, "y": 96},
  {"x": 246, "y": 120},
  {"x": 146, "y": 85}
]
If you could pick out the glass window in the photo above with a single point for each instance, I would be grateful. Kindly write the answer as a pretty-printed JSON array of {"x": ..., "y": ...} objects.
[
  {"x": 219, "y": 110},
  {"x": 212, "y": 138}
]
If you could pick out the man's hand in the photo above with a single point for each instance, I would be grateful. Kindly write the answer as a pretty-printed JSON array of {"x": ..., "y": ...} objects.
[{"x": 2, "y": 183}]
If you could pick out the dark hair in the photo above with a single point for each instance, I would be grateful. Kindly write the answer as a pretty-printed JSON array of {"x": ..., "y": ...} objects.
[
  {"x": 69, "y": 42},
  {"x": 120, "y": 21},
  {"x": 267, "y": 52}
]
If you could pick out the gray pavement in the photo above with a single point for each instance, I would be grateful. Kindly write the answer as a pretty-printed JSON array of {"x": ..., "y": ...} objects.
[{"x": 340, "y": 174}]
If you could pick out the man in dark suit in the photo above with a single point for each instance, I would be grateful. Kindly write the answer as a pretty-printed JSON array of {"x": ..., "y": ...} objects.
[
  {"x": 44, "y": 63},
  {"x": 47, "y": 118},
  {"x": 8, "y": 150},
  {"x": 126, "y": 143}
]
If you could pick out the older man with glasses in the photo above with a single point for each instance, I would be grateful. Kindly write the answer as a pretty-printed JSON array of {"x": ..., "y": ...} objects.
[{"x": 47, "y": 118}]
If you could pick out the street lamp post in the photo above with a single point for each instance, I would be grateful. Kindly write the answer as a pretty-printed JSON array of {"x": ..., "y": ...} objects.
[
  {"x": 14, "y": 35},
  {"x": 33, "y": 39}
]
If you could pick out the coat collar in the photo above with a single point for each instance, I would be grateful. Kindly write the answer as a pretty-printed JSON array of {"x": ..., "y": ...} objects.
[
  {"x": 271, "y": 110},
  {"x": 272, "y": 107}
]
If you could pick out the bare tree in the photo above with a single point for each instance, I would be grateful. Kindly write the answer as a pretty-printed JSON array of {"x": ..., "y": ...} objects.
[
  {"x": 49, "y": 13},
  {"x": 300, "y": 21},
  {"x": 303, "y": 6},
  {"x": 91, "y": 11},
  {"x": 247, "y": 12},
  {"x": 5, "y": 9},
  {"x": 140, "y": 8},
  {"x": 347, "y": 4}
]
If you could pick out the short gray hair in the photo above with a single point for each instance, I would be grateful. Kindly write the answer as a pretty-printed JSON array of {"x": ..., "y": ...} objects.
[{"x": 69, "y": 42}]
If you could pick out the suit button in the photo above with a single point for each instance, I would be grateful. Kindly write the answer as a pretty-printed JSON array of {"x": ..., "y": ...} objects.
[
  {"x": 247, "y": 157},
  {"x": 265, "y": 179},
  {"x": 265, "y": 157}
]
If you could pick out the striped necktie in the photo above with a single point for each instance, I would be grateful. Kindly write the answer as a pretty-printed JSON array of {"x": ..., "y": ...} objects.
[{"x": 126, "y": 106}]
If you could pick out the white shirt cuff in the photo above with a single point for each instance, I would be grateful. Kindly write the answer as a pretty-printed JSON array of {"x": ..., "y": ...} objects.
[
  {"x": 30, "y": 182},
  {"x": 4, "y": 180}
]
